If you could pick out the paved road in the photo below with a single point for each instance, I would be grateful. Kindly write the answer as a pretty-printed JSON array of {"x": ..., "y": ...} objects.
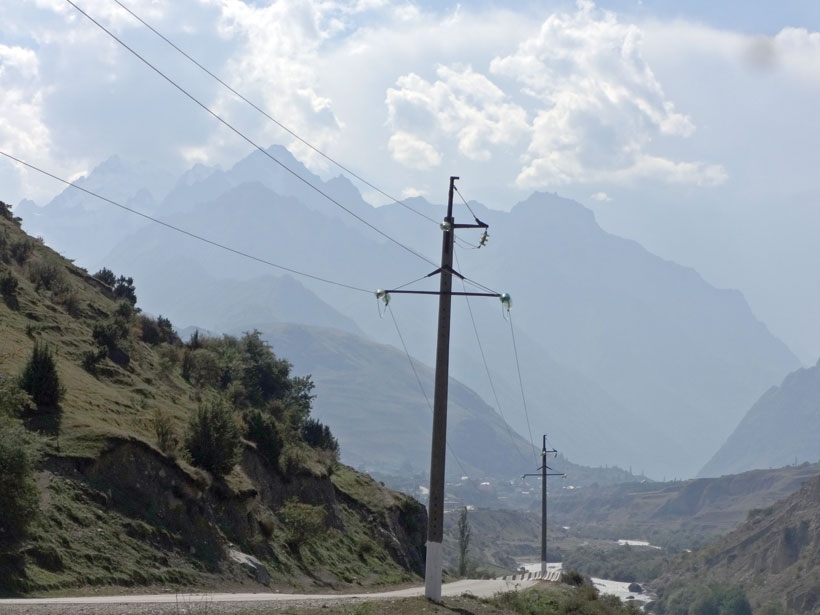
[{"x": 476, "y": 587}]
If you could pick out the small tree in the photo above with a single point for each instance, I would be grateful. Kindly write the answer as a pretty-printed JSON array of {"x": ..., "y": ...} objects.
[
  {"x": 317, "y": 435},
  {"x": 18, "y": 491},
  {"x": 106, "y": 276},
  {"x": 464, "y": 532},
  {"x": 214, "y": 439},
  {"x": 124, "y": 289},
  {"x": 40, "y": 378}
]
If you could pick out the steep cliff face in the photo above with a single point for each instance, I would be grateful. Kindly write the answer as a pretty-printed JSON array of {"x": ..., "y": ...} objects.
[{"x": 774, "y": 555}]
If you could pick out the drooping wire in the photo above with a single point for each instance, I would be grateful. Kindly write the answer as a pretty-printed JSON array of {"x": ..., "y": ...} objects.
[
  {"x": 421, "y": 386},
  {"x": 487, "y": 369},
  {"x": 521, "y": 385},
  {"x": 246, "y": 138},
  {"x": 271, "y": 118},
  {"x": 181, "y": 230}
]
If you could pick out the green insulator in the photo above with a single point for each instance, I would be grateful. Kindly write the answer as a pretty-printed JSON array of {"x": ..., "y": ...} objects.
[{"x": 506, "y": 300}]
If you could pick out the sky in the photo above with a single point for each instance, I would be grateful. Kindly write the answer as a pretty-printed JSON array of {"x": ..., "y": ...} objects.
[{"x": 691, "y": 127}]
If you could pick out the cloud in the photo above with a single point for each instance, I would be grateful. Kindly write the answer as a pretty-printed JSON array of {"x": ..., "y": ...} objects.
[
  {"x": 462, "y": 105},
  {"x": 601, "y": 197},
  {"x": 413, "y": 152},
  {"x": 574, "y": 102},
  {"x": 597, "y": 104}
]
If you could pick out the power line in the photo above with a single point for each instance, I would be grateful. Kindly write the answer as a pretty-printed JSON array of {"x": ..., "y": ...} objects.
[
  {"x": 188, "y": 233},
  {"x": 248, "y": 139},
  {"x": 521, "y": 385},
  {"x": 272, "y": 119},
  {"x": 421, "y": 387},
  {"x": 487, "y": 370}
]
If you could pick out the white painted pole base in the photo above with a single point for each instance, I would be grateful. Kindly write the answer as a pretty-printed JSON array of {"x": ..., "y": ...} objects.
[{"x": 432, "y": 572}]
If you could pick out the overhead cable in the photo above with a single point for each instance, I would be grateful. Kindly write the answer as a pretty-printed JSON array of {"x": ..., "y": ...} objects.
[
  {"x": 185, "y": 232},
  {"x": 421, "y": 387},
  {"x": 248, "y": 139},
  {"x": 271, "y": 118}
]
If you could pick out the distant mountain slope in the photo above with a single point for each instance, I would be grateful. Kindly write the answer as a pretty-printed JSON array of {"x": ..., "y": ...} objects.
[
  {"x": 782, "y": 428},
  {"x": 368, "y": 395},
  {"x": 682, "y": 355},
  {"x": 626, "y": 359},
  {"x": 774, "y": 555}
]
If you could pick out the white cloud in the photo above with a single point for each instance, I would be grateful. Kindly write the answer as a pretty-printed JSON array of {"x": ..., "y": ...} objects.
[
  {"x": 597, "y": 104},
  {"x": 461, "y": 105},
  {"x": 601, "y": 197},
  {"x": 413, "y": 152}
]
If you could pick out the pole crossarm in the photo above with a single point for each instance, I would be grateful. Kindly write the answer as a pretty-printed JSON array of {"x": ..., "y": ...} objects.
[{"x": 453, "y": 293}]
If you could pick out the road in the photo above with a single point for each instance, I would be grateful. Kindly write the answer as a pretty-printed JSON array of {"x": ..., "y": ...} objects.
[{"x": 476, "y": 587}]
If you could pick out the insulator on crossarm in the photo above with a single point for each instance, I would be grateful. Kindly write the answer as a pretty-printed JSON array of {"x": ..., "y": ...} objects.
[
  {"x": 506, "y": 301},
  {"x": 383, "y": 295}
]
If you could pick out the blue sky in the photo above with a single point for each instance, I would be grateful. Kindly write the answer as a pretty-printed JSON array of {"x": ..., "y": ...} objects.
[{"x": 688, "y": 126}]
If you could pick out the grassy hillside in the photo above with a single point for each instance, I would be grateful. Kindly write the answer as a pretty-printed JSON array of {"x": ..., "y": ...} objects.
[{"x": 125, "y": 495}]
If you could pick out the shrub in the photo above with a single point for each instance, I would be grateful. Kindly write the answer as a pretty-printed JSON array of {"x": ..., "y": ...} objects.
[
  {"x": 167, "y": 439},
  {"x": 262, "y": 429},
  {"x": 106, "y": 276},
  {"x": 47, "y": 274},
  {"x": 124, "y": 289},
  {"x": 21, "y": 249},
  {"x": 157, "y": 331},
  {"x": 213, "y": 438},
  {"x": 14, "y": 401},
  {"x": 8, "y": 288},
  {"x": 40, "y": 379},
  {"x": 18, "y": 491},
  {"x": 317, "y": 435},
  {"x": 301, "y": 521}
]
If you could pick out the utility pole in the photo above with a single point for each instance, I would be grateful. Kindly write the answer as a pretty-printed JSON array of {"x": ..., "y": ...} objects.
[
  {"x": 438, "y": 450},
  {"x": 544, "y": 474}
]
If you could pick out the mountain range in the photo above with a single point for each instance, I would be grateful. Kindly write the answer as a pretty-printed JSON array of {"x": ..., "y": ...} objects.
[
  {"x": 780, "y": 429},
  {"x": 621, "y": 357}
]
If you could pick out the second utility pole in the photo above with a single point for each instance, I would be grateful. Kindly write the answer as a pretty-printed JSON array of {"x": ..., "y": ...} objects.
[{"x": 435, "y": 506}]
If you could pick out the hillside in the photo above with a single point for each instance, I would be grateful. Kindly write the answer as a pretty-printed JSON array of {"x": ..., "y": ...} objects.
[
  {"x": 617, "y": 345},
  {"x": 121, "y": 496},
  {"x": 783, "y": 427},
  {"x": 774, "y": 555}
]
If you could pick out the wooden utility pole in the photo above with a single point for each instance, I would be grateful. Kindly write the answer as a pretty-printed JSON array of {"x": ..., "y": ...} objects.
[{"x": 435, "y": 506}]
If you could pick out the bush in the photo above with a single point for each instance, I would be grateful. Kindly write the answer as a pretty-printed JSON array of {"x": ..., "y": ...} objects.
[
  {"x": 301, "y": 521},
  {"x": 40, "y": 379},
  {"x": 158, "y": 331},
  {"x": 106, "y": 276},
  {"x": 14, "y": 401},
  {"x": 21, "y": 249},
  {"x": 317, "y": 435},
  {"x": 47, "y": 274},
  {"x": 19, "y": 500},
  {"x": 167, "y": 439},
  {"x": 263, "y": 430},
  {"x": 124, "y": 289},
  {"x": 8, "y": 288},
  {"x": 213, "y": 439}
]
